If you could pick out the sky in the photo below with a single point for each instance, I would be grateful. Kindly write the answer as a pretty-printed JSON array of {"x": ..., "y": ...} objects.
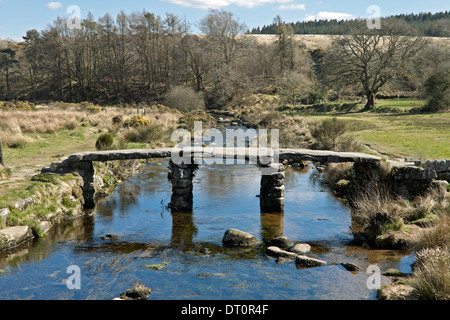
[{"x": 18, "y": 16}]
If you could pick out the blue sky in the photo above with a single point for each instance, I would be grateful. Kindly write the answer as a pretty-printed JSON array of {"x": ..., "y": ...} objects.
[{"x": 18, "y": 16}]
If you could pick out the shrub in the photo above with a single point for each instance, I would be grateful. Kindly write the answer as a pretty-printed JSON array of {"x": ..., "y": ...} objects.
[
  {"x": 17, "y": 105},
  {"x": 437, "y": 90},
  {"x": 104, "y": 142},
  {"x": 136, "y": 121},
  {"x": 148, "y": 134},
  {"x": 328, "y": 135},
  {"x": 184, "y": 99}
]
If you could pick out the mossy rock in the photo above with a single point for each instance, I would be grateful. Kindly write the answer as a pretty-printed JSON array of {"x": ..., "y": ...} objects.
[{"x": 394, "y": 273}]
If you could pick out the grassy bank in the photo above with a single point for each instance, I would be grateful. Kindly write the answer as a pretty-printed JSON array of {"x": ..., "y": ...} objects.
[
  {"x": 392, "y": 134},
  {"x": 35, "y": 137}
]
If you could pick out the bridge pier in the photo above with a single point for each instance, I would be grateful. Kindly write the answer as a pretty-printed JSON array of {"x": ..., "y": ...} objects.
[
  {"x": 272, "y": 189},
  {"x": 87, "y": 172},
  {"x": 181, "y": 178}
]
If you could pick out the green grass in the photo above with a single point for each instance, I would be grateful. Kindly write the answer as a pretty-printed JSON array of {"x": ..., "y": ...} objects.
[
  {"x": 401, "y": 103},
  {"x": 402, "y": 134},
  {"x": 45, "y": 145},
  {"x": 420, "y": 135}
]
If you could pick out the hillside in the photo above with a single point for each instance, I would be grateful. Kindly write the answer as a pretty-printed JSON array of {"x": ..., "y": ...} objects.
[
  {"x": 315, "y": 41},
  {"x": 428, "y": 24}
]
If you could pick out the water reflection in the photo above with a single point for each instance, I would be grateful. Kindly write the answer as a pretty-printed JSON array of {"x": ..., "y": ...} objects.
[{"x": 183, "y": 231}]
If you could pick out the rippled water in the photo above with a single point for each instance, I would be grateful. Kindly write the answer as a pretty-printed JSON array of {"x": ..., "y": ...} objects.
[{"x": 196, "y": 264}]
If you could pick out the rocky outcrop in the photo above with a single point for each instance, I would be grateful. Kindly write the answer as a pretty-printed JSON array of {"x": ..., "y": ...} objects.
[
  {"x": 14, "y": 236},
  {"x": 238, "y": 238}
]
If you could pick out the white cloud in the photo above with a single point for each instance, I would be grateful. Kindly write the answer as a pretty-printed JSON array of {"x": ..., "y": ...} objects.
[
  {"x": 215, "y": 4},
  {"x": 326, "y": 15},
  {"x": 54, "y": 5},
  {"x": 292, "y": 7}
]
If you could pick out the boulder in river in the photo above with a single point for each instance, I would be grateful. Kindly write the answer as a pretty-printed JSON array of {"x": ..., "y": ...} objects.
[
  {"x": 282, "y": 242},
  {"x": 301, "y": 248},
  {"x": 277, "y": 252},
  {"x": 138, "y": 292},
  {"x": 304, "y": 261},
  {"x": 238, "y": 238}
]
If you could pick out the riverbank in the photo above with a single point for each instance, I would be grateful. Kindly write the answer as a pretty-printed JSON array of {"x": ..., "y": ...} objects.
[
  {"x": 52, "y": 199},
  {"x": 382, "y": 218}
]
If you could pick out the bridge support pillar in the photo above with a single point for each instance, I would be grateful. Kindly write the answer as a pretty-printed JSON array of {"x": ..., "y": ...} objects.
[
  {"x": 182, "y": 197},
  {"x": 87, "y": 172},
  {"x": 272, "y": 189}
]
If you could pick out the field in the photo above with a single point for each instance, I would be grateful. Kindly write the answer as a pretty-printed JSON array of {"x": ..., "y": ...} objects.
[
  {"x": 395, "y": 133},
  {"x": 34, "y": 139}
]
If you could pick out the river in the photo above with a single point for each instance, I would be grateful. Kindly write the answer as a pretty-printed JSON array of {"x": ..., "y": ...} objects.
[{"x": 189, "y": 248}]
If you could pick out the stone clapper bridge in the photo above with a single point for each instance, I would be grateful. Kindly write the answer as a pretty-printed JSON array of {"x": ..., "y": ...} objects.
[{"x": 272, "y": 179}]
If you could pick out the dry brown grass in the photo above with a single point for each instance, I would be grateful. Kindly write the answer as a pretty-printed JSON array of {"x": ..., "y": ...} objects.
[
  {"x": 17, "y": 126},
  {"x": 431, "y": 277},
  {"x": 293, "y": 131}
]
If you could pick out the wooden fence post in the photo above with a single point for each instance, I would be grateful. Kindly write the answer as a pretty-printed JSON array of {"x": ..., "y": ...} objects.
[{"x": 2, "y": 158}]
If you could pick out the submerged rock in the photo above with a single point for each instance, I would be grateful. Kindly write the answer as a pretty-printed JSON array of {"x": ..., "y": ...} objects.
[
  {"x": 304, "y": 261},
  {"x": 238, "y": 238},
  {"x": 350, "y": 266},
  {"x": 394, "y": 273},
  {"x": 110, "y": 236},
  {"x": 207, "y": 275},
  {"x": 138, "y": 292}
]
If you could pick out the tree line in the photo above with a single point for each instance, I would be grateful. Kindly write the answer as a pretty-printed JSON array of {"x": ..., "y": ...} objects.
[
  {"x": 143, "y": 57},
  {"x": 137, "y": 56},
  {"x": 429, "y": 24}
]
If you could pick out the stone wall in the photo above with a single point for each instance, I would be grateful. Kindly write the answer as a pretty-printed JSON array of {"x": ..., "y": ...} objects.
[
  {"x": 404, "y": 181},
  {"x": 441, "y": 167}
]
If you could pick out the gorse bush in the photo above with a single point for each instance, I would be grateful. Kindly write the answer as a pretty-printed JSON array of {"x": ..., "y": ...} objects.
[
  {"x": 17, "y": 105},
  {"x": 136, "y": 121}
]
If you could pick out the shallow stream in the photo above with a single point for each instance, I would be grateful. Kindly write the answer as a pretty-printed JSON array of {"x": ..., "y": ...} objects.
[{"x": 188, "y": 247}]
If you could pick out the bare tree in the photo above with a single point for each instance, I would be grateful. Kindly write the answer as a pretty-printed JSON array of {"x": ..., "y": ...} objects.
[
  {"x": 224, "y": 43},
  {"x": 371, "y": 58}
]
